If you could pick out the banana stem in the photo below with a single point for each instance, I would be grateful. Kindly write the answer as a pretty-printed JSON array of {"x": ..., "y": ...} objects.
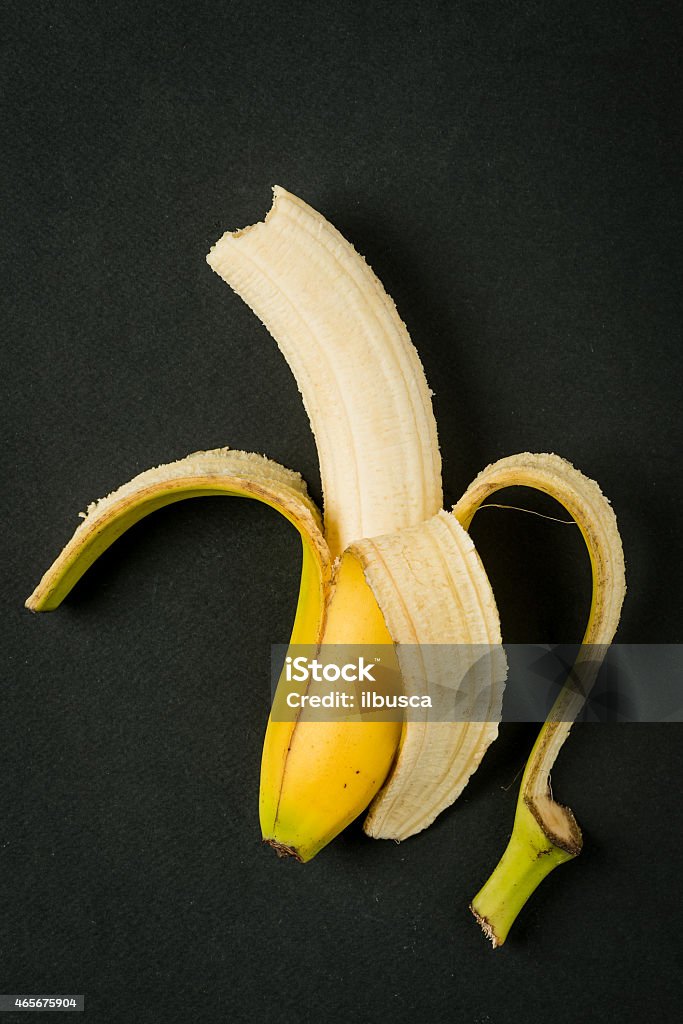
[{"x": 529, "y": 857}]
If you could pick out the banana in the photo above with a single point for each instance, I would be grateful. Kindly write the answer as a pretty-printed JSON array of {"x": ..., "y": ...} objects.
[{"x": 385, "y": 566}]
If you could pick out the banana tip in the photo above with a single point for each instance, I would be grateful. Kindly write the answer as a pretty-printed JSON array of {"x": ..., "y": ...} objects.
[
  {"x": 487, "y": 929},
  {"x": 284, "y": 851}
]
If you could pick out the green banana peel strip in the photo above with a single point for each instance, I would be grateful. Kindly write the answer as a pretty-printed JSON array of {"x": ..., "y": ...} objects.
[
  {"x": 545, "y": 833},
  {"x": 221, "y": 471}
]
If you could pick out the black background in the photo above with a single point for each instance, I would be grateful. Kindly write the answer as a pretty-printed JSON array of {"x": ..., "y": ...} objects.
[{"x": 510, "y": 170}]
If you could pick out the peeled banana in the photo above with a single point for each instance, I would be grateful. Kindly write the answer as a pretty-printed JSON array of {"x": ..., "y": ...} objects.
[{"x": 385, "y": 565}]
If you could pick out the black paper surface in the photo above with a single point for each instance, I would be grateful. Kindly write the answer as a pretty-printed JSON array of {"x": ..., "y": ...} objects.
[{"x": 511, "y": 172}]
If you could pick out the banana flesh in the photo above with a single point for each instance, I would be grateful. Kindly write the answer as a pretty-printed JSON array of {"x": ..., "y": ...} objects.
[{"x": 360, "y": 378}]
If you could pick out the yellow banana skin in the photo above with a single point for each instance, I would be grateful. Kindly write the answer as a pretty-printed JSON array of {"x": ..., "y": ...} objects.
[
  {"x": 316, "y": 776},
  {"x": 329, "y": 771}
]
